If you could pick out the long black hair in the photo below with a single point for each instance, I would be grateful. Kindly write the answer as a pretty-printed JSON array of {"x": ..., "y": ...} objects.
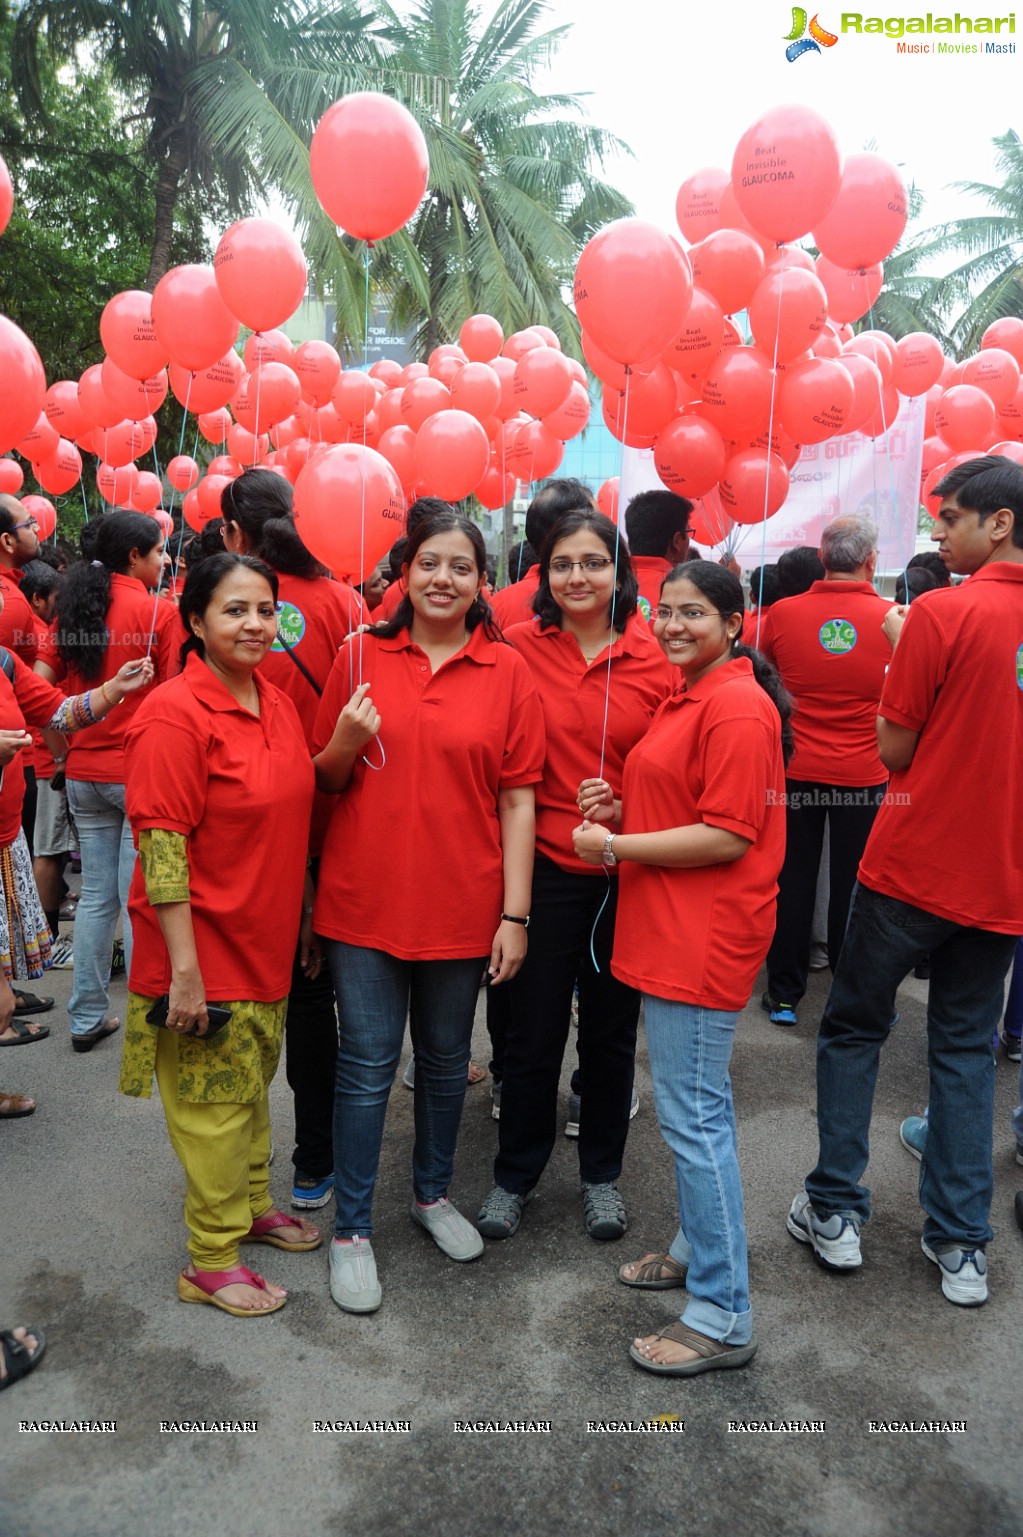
[
  {"x": 626, "y": 587},
  {"x": 479, "y": 610},
  {"x": 83, "y": 601},
  {"x": 259, "y": 502},
  {"x": 202, "y": 582},
  {"x": 724, "y": 590}
]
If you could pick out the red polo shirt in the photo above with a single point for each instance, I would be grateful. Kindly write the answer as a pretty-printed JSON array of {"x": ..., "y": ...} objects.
[
  {"x": 29, "y": 701},
  {"x": 19, "y": 629},
  {"x": 134, "y": 619},
  {"x": 712, "y": 754},
  {"x": 829, "y": 647},
  {"x": 650, "y": 573},
  {"x": 573, "y": 695},
  {"x": 314, "y": 615},
  {"x": 388, "y": 605},
  {"x": 240, "y": 789},
  {"x": 449, "y": 742},
  {"x": 514, "y": 604},
  {"x": 947, "y": 835}
]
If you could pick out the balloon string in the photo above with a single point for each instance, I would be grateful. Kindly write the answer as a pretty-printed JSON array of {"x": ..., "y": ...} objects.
[
  {"x": 85, "y": 500},
  {"x": 767, "y": 477},
  {"x": 894, "y": 509},
  {"x": 181, "y": 536},
  {"x": 259, "y": 380},
  {"x": 362, "y": 461},
  {"x": 600, "y": 914}
]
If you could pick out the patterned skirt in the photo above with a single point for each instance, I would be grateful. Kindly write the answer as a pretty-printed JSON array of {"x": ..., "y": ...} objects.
[{"x": 24, "y": 931}]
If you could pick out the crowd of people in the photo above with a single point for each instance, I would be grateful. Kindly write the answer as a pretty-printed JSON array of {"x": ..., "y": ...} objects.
[{"x": 641, "y": 786}]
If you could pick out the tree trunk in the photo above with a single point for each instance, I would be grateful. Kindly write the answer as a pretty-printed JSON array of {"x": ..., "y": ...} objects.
[{"x": 172, "y": 168}]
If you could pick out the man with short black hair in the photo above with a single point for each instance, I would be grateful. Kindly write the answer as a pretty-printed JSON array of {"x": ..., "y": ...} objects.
[
  {"x": 657, "y": 528},
  {"x": 514, "y": 604},
  {"x": 942, "y": 875}
]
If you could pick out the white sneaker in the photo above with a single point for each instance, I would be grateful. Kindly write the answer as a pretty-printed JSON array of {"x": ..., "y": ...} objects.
[
  {"x": 62, "y": 957},
  {"x": 835, "y": 1242},
  {"x": 408, "y": 1077},
  {"x": 963, "y": 1274},
  {"x": 449, "y": 1230},
  {"x": 353, "y": 1276}
]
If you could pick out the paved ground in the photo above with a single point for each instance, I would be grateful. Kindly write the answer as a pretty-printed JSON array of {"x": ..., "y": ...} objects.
[{"x": 92, "y": 1238}]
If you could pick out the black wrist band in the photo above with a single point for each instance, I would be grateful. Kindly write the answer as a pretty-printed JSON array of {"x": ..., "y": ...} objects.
[{"x": 507, "y": 918}]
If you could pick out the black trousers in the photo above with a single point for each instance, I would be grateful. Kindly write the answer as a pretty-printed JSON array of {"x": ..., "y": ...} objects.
[
  {"x": 564, "y": 922},
  {"x": 849, "y": 813},
  {"x": 310, "y": 1036}
]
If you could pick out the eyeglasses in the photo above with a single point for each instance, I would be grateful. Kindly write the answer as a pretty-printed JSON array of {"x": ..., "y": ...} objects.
[
  {"x": 592, "y": 565},
  {"x": 688, "y": 614},
  {"x": 28, "y": 523}
]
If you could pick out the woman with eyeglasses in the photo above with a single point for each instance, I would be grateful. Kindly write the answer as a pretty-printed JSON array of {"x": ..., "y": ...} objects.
[
  {"x": 601, "y": 677},
  {"x": 702, "y": 838},
  {"x": 106, "y": 616}
]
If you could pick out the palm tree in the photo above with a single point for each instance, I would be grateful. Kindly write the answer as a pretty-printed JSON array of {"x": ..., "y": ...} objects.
[
  {"x": 514, "y": 188},
  {"x": 229, "y": 89}
]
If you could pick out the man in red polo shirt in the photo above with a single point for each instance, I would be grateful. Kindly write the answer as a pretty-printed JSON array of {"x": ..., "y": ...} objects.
[
  {"x": 514, "y": 604},
  {"x": 657, "y": 528},
  {"x": 832, "y": 654},
  {"x": 19, "y": 543},
  {"x": 942, "y": 875}
]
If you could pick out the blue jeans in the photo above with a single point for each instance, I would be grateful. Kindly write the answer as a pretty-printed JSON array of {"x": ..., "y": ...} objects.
[
  {"x": 690, "y": 1049},
  {"x": 375, "y": 993},
  {"x": 108, "y": 862},
  {"x": 884, "y": 941}
]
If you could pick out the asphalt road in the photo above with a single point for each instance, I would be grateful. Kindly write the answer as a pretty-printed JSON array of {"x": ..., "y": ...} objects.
[{"x": 538, "y": 1330}]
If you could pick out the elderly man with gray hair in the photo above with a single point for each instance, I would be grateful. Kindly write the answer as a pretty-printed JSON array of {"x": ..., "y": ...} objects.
[{"x": 832, "y": 653}]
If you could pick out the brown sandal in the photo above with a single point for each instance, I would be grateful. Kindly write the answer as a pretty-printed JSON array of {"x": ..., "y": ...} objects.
[
  {"x": 711, "y": 1355},
  {"x": 13, "y": 1105},
  {"x": 648, "y": 1276}
]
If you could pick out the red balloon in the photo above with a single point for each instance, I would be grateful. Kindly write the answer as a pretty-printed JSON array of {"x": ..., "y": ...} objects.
[
  {"x": 192, "y": 512},
  {"x": 632, "y": 289},
  {"x": 369, "y": 165},
  {"x": 60, "y": 470},
  {"x": 192, "y": 320},
  {"x": 754, "y": 485},
  {"x": 787, "y": 313},
  {"x": 389, "y": 371},
  {"x": 607, "y": 369},
  {"x": 965, "y": 417},
  {"x": 245, "y": 446},
  {"x": 452, "y": 453},
  {"x": 148, "y": 492},
  {"x": 214, "y": 425},
  {"x": 737, "y": 392},
  {"x": 274, "y": 392},
  {"x": 211, "y": 387},
  {"x": 728, "y": 265},
  {"x": 850, "y": 294},
  {"x": 1013, "y": 451},
  {"x": 542, "y": 381},
  {"x": 64, "y": 409},
  {"x": 267, "y": 347},
  {"x": 6, "y": 197},
  {"x": 123, "y": 442},
  {"x": 1009, "y": 421},
  {"x": 93, "y": 399},
  {"x": 444, "y": 368},
  {"x": 495, "y": 490},
  {"x": 1006, "y": 333},
  {"x": 647, "y": 406},
  {"x": 868, "y": 388},
  {"x": 44, "y": 513},
  {"x": 260, "y": 272},
  {"x": 183, "y": 472},
  {"x": 788, "y": 256},
  {"x": 880, "y": 350},
  {"x": 116, "y": 485},
  {"x": 690, "y": 456},
  {"x": 521, "y": 342},
  {"x": 918, "y": 363},
  {"x": 413, "y": 371},
  {"x": 423, "y": 398},
  {"x": 208, "y": 491},
  {"x": 608, "y": 496},
  {"x": 815, "y": 400},
  {"x": 995, "y": 371},
  {"x": 785, "y": 172},
  {"x": 536, "y": 452},
  {"x": 41, "y": 439},
  {"x": 134, "y": 398},
  {"x": 349, "y": 509},
  {"x": 550, "y": 337},
  {"x": 481, "y": 338},
  {"x": 12, "y": 477},
  {"x": 700, "y": 340},
  {"x": 476, "y": 388},
  {"x": 884, "y": 413},
  {"x": 388, "y": 411},
  {"x": 128, "y": 334},
  {"x": 318, "y": 367},
  {"x": 570, "y": 418},
  {"x": 867, "y": 218},
  {"x": 353, "y": 396},
  {"x": 504, "y": 368},
  {"x": 165, "y": 521},
  {"x": 398, "y": 446},
  {"x": 827, "y": 344},
  {"x": 224, "y": 464},
  {"x": 698, "y": 204}
]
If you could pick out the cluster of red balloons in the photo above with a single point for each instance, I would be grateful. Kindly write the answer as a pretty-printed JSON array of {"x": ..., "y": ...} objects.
[
  {"x": 975, "y": 407},
  {"x": 677, "y": 376}
]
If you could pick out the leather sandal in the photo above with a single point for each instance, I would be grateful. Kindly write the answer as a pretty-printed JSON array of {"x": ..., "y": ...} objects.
[
  {"x": 13, "y": 1105},
  {"x": 87, "y": 1041},
  {"x": 202, "y": 1286},
  {"x": 262, "y": 1231},
  {"x": 31, "y": 1003},
  {"x": 20, "y": 1358},
  {"x": 711, "y": 1355},
  {"x": 23, "y": 1034},
  {"x": 648, "y": 1276}
]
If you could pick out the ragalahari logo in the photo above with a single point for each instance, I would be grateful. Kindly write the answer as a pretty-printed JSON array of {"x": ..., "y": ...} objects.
[{"x": 806, "y": 38}]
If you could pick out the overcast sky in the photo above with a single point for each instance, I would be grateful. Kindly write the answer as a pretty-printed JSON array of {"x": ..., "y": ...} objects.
[{"x": 680, "y": 82}]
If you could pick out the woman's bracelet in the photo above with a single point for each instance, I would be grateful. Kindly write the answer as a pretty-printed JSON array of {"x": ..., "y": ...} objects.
[{"x": 111, "y": 702}]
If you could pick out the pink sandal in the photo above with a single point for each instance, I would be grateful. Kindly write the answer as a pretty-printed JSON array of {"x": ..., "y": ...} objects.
[
  {"x": 202, "y": 1286},
  {"x": 263, "y": 1228}
]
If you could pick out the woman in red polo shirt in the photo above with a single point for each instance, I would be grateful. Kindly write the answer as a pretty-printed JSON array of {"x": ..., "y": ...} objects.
[
  {"x": 106, "y": 616},
  {"x": 702, "y": 841},
  {"x": 220, "y": 791},
  {"x": 601, "y": 677},
  {"x": 435, "y": 757}
]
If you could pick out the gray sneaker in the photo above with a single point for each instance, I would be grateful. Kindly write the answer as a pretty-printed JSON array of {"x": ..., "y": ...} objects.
[
  {"x": 835, "y": 1242},
  {"x": 353, "y": 1276},
  {"x": 963, "y": 1274},
  {"x": 449, "y": 1230}
]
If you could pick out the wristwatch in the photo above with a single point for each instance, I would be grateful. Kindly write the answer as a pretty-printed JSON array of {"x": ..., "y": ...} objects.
[
  {"x": 609, "y": 853},
  {"x": 508, "y": 918}
]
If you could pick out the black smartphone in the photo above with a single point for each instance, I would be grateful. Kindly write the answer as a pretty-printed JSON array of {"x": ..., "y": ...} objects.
[{"x": 218, "y": 1017}]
